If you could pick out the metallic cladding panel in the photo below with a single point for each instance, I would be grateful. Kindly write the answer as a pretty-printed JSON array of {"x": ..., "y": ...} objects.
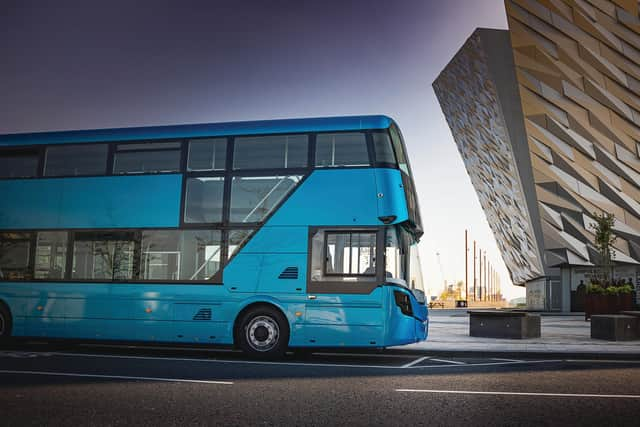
[
  {"x": 471, "y": 104},
  {"x": 96, "y": 202},
  {"x": 323, "y": 124},
  {"x": 577, "y": 68}
]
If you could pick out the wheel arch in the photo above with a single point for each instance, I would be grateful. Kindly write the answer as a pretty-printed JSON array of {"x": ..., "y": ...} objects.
[{"x": 253, "y": 304}]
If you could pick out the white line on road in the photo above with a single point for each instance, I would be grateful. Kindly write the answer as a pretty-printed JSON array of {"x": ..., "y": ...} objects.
[
  {"x": 451, "y": 364},
  {"x": 505, "y": 360},
  {"x": 522, "y": 362},
  {"x": 515, "y": 393},
  {"x": 117, "y": 377},
  {"x": 449, "y": 361},
  {"x": 601, "y": 361},
  {"x": 415, "y": 362}
]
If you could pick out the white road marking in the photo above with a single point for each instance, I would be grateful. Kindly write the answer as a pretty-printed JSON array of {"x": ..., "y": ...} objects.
[
  {"x": 523, "y": 362},
  {"x": 118, "y": 377},
  {"x": 449, "y": 361},
  {"x": 451, "y": 364},
  {"x": 602, "y": 361},
  {"x": 415, "y": 362},
  {"x": 505, "y": 360},
  {"x": 515, "y": 393}
]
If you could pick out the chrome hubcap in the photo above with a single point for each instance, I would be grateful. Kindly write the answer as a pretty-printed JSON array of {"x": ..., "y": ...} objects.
[{"x": 262, "y": 333}]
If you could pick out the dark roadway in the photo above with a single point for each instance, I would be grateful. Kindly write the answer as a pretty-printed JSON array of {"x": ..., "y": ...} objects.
[{"x": 95, "y": 385}]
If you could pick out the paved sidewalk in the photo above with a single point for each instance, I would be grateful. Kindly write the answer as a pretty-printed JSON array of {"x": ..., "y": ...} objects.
[{"x": 560, "y": 334}]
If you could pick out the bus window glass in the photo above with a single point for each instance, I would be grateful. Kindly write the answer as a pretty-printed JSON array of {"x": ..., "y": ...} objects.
[
  {"x": 18, "y": 164},
  {"x": 394, "y": 255},
  {"x": 399, "y": 149},
  {"x": 160, "y": 255},
  {"x": 201, "y": 252},
  {"x": 237, "y": 238},
  {"x": 383, "y": 148},
  {"x": 204, "y": 200},
  {"x": 75, "y": 160},
  {"x": 147, "y": 158},
  {"x": 341, "y": 149},
  {"x": 207, "y": 154},
  {"x": 15, "y": 254},
  {"x": 270, "y": 152},
  {"x": 51, "y": 255},
  {"x": 351, "y": 254},
  {"x": 415, "y": 269},
  {"x": 103, "y": 256},
  {"x": 253, "y": 198}
]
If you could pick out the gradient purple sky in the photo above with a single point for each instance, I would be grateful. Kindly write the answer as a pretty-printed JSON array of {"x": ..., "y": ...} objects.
[{"x": 95, "y": 64}]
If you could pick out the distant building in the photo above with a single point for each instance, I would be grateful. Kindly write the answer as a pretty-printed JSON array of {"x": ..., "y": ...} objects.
[{"x": 546, "y": 117}]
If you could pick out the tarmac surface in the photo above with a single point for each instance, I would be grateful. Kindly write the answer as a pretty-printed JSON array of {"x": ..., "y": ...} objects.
[
  {"x": 79, "y": 384},
  {"x": 566, "y": 334}
]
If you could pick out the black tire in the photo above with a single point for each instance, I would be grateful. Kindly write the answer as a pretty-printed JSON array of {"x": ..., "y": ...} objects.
[
  {"x": 5, "y": 324},
  {"x": 263, "y": 333}
]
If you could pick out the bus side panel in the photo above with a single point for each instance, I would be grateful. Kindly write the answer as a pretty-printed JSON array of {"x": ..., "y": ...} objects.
[
  {"x": 93, "y": 202},
  {"x": 325, "y": 199},
  {"x": 345, "y": 320},
  {"x": 391, "y": 198}
]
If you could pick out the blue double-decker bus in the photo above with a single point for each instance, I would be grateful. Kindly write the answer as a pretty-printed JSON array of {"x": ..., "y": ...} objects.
[{"x": 265, "y": 235}]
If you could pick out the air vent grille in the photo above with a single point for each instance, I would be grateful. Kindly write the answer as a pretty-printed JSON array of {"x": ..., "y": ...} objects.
[
  {"x": 289, "y": 273},
  {"x": 203, "y": 314}
]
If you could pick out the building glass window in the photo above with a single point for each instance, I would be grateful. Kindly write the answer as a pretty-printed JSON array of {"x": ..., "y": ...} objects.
[
  {"x": 270, "y": 152},
  {"x": 204, "y": 200},
  {"x": 383, "y": 148},
  {"x": 18, "y": 164},
  {"x": 207, "y": 154},
  {"x": 77, "y": 159},
  {"x": 253, "y": 198},
  {"x": 15, "y": 256},
  {"x": 341, "y": 149},
  {"x": 350, "y": 254},
  {"x": 104, "y": 256},
  {"x": 51, "y": 255},
  {"x": 147, "y": 158}
]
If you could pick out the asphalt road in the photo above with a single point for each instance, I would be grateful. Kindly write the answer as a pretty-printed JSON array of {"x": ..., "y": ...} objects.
[{"x": 96, "y": 385}]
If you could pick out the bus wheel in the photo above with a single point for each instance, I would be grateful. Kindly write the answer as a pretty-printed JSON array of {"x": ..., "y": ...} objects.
[
  {"x": 264, "y": 333},
  {"x": 5, "y": 324}
]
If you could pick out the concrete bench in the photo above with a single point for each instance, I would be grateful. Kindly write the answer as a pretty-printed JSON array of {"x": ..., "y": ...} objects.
[
  {"x": 614, "y": 327},
  {"x": 503, "y": 324}
]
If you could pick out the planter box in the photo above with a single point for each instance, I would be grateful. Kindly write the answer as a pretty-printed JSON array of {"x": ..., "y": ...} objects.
[
  {"x": 606, "y": 304},
  {"x": 504, "y": 324},
  {"x": 614, "y": 327}
]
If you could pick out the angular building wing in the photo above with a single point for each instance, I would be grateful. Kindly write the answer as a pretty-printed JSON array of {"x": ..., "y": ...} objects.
[{"x": 547, "y": 119}]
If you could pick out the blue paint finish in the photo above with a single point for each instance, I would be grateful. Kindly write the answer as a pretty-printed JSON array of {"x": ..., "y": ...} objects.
[
  {"x": 95, "y": 202},
  {"x": 280, "y": 240},
  {"x": 391, "y": 197},
  {"x": 156, "y": 312},
  {"x": 273, "y": 265},
  {"x": 321, "y": 124},
  {"x": 345, "y": 197}
]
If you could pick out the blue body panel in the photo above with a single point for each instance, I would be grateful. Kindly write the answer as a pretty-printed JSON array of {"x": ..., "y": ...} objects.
[
  {"x": 322, "y": 124},
  {"x": 95, "y": 202},
  {"x": 170, "y": 312}
]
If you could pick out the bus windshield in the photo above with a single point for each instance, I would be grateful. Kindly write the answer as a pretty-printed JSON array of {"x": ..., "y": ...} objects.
[{"x": 402, "y": 261}]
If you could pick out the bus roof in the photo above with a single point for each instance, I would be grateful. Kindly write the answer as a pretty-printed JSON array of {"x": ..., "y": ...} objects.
[{"x": 320, "y": 124}]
